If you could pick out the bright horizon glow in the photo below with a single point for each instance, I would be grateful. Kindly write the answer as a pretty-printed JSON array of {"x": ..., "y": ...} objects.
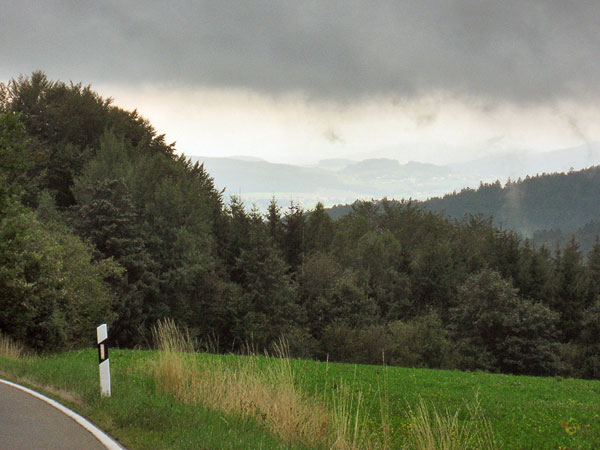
[{"x": 291, "y": 129}]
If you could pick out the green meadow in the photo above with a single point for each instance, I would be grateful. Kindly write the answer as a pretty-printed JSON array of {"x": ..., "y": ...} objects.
[
  {"x": 375, "y": 406},
  {"x": 524, "y": 412}
]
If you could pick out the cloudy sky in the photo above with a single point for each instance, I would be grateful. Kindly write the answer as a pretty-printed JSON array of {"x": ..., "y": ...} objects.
[{"x": 427, "y": 80}]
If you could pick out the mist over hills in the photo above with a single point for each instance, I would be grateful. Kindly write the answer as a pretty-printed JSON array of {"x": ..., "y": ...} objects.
[
  {"x": 521, "y": 164},
  {"x": 342, "y": 181},
  {"x": 557, "y": 201}
]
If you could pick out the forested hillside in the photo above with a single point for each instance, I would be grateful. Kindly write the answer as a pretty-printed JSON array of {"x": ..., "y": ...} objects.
[
  {"x": 100, "y": 220},
  {"x": 548, "y": 208}
]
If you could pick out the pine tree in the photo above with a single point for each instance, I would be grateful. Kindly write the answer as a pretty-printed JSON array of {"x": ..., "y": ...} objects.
[
  {"x": 294, "y": 236},
  {"x": 320, "y": 230},
  {"x": 269, "y": 295},
  {"x": 106, "y": 216},
  {"x": 571, "y": 292}
]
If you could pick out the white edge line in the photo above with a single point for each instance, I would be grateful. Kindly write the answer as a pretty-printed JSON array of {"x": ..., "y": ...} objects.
[{"x": 106, "y": 440}]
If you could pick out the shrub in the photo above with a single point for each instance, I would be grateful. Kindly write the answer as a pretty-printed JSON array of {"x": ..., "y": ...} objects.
[
  {"x": 340, "y": 342},
  {"x": 498, "y": 330},
  {"x": 52, "y": 294},
  {"x": 421, "y": 342},
  {"x": 590, "y": 333},
  {"x": 301, "y": 343}
]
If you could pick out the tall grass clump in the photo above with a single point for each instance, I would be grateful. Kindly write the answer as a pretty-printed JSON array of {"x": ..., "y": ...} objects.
[
  {"x": 168, "y": 338},
  {"x": 348, "y": 422},
  {"x": 264, "y": 390},
  {"x": 10, "y": 348},
  {"x": 431, "y": 429}
]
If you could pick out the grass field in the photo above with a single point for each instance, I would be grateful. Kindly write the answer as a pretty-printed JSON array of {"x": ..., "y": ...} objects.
[{"x": 523, "y": 412}]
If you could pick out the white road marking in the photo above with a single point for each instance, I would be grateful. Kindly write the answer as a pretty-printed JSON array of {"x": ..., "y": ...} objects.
[{"x": 106, "y": 440}]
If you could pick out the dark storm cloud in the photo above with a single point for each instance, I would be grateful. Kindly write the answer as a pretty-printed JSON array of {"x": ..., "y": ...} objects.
[{"x": 516, "y": 50}]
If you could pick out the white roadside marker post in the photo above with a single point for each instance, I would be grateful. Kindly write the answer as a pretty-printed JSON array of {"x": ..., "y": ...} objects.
[{"x": 102, "y": 335}]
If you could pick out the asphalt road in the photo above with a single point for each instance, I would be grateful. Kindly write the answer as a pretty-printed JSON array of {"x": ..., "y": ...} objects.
[{"x": 29, "y": 423}]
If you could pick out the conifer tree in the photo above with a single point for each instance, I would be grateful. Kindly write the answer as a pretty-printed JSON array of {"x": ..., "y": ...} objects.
[{"x": 571, "y": 291}]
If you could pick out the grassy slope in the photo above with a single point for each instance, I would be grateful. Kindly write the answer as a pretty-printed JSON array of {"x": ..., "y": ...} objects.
[
  {"x": 525, "y": 412},
  {"x": 137, "y": 414}
]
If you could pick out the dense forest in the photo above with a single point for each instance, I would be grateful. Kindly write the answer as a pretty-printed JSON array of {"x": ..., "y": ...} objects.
[
  {"x": 101, "y": 220},
  {"x": 548, "y": 208}
]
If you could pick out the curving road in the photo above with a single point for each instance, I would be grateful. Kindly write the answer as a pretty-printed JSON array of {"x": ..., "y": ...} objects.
[{"x": 27, "y": 422}]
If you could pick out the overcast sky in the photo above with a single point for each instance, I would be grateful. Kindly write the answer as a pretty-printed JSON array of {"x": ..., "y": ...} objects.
[{"x": 299, "y": 81}]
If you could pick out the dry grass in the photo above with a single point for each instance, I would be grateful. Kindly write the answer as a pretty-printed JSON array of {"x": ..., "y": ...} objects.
[
  {"x": 433, "y": 430},
  {"x": 10, "y": 348},
  {"x": 169, "y": 338},
  {"x": 67, "y": 396},
  {"x": 269, "y": 393}
]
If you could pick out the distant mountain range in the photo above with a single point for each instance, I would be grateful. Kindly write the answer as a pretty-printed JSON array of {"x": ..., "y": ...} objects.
[{"x": 342, "y": 181}]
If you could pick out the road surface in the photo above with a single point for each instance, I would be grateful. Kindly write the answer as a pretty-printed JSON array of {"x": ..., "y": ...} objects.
[{"x": 26, "y": 422}]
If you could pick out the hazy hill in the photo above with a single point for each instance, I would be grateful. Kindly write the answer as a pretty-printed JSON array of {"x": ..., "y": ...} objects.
[
  {"x": 332, "y": 182},
  {"x": 342, "y": 181},
  {"x": 564, "y": 201},
  {"x": 521, "y": 164},
  {"x": 548, "y": 208},
  {"x": 334, "y": 163},
  {"x": 254, "y": 176}
]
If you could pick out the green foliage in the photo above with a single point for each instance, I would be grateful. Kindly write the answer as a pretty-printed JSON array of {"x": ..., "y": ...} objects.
[
  {"x": 320, "y": 229},
  {"x": 571, "y": 291},
  {"x": 155, "y": 215},
  {"x": 269, "y": 307},
  {"x": 30, "y": 282},
  {"x": 65, "y": 124},
  {"x": 274, "y": 222},
  {"x": 535, "y": 203},
  {"x": 294, "y": 235},
  {"x": 329, "y": 293},
  {"x": 12, "y": 145},
  {"x": 498, "y": 330},
  {"x": 15, "y": 159},
  {"x": 106, "y": 216},
  {"x": 420, "y": 342},
  {"x": 535, "y": 276},
  {"x": 51, "y": 292},
  {"x": 588, "y": 364},
  {"x": 592, "y": 270},
  {"x": 87, "y": 299}
]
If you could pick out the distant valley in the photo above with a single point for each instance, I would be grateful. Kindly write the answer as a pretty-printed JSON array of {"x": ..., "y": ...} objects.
[{"x": 342, "y": 181}]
